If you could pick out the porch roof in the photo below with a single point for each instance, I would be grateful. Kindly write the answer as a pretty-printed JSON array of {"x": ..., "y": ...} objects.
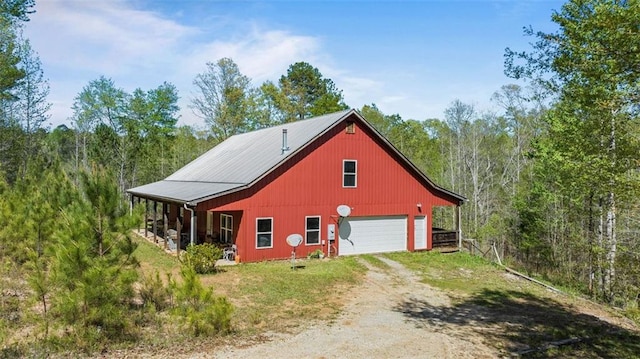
[{"x": 189, "y": 192}]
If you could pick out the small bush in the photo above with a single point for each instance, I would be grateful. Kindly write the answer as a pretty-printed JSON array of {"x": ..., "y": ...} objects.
[
  {"x": 202, "y": 258},
  {"x": 202, "y": 312},
  {"x": 211, "y": 319},
  {"x": 317, "y": 254},
  {"x": 154, "y": 292}
]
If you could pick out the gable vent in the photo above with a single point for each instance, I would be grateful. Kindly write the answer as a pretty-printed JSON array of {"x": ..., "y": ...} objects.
[{"x": 351, "y": 127}]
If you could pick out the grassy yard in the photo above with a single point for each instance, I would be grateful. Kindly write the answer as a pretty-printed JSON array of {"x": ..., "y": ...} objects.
[
  {"x": 511, "y": 314},
  {"x": 515, "y": 315},
  {"x": 152, "y": 258},
  {"x": 270, "y": 295}
]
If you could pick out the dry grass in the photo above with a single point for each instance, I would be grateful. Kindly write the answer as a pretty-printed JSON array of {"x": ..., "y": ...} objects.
[
  {"x": 509, "y": 313},
  {"x": 270, "y": 296}
]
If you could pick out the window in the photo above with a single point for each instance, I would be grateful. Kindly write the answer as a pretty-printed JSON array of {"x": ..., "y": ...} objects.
[
  {"x": 264, "y": 232},
  {"x": 209, "y": 223},
  {"x": 312, "y": 230},
  {"x": 349, "y": 173},
  {"x": 226, "y": 228}
]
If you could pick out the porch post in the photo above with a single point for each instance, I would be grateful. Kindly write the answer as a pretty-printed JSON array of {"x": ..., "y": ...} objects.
[
  {"x": 458, "y": 226},
  {"x": 165, "y": 223},
  {"x": 133, "y": 199},
  {"x": 146, "y": 210},
  {"x": 155, "y": 222},
  {"x": 178, "y": 229},
  {"x": 139, "y": 228}
]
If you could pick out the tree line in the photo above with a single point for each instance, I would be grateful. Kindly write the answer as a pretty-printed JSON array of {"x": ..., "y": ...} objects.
[{"x": 550, "y": 173}]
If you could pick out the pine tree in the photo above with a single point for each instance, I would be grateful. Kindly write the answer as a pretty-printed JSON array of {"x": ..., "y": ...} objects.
[{"x": 94, "y": 266}]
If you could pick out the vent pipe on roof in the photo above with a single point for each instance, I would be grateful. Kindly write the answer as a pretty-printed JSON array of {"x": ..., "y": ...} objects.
[{"x": 285, "y": 147}]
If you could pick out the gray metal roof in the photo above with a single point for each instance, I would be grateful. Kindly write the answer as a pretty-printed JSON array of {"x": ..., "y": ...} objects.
[
  {"x": 243, "y": 159},
  {"x": 238, "y": 161},
  {"x": 182, "y": 191}
]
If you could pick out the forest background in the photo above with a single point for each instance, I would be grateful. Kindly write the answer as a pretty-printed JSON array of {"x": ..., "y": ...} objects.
[{"x": 551, "y": 175}]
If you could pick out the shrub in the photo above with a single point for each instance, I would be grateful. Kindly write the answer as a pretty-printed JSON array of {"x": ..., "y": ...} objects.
[
  {"x": 202, "y": 258},
  {"x": 317, "y": 254},
  {"x": 154, "y": 292},
  {"x": 203, "y": 313}
]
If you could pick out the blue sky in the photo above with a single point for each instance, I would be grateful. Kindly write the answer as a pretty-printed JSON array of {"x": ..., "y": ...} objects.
[{"x": 411, "y": 58}]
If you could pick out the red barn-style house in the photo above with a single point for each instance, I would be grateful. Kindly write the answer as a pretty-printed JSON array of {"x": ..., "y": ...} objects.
[{"x": 333, "y": 179}]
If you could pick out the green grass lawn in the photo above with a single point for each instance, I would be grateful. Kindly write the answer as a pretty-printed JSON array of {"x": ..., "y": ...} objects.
[
  {"x": 459, "y": 273},
  {"x": 273, "y": 295},
  {"x": 511, "y": 313},
  {"x": 152, "y": 258},
  {"x": 270, "y": 295},
  {"x": 515, "y": 315}
]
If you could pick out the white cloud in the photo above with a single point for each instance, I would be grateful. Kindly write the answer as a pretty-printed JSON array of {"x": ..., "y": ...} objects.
[
  {"x": 106, "y": 37},
  {"x": 260, "y": 54},
  {"x": 78, "y": 41}
]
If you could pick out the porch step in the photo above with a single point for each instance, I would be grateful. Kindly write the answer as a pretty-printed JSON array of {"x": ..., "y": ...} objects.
[{"x": 446, "y": 249}]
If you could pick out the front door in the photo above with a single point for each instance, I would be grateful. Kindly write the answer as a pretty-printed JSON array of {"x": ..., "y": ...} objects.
[{"x": 420, "y": 232}]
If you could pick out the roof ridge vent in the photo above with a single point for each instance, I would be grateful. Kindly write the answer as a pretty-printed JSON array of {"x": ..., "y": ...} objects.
[{"x": 285, "y": 146}]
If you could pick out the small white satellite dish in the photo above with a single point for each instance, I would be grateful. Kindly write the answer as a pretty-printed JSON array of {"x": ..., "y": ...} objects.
[
  {"x": 343, "y": 210},
  {"x": 294, "y": 240}
]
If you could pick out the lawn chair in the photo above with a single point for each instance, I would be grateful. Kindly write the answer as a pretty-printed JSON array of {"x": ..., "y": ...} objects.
[
  {"x": 172, "y": 244},
  {"x": 229, "y": 253}
]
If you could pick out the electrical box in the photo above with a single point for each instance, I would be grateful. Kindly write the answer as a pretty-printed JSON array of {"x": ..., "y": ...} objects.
[{"x": 331, "y": 232}]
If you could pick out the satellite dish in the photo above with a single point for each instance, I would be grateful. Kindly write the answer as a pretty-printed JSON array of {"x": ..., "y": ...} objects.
[
  {"x": 294, "y": 240},
  {"x": 343, "y": 210}
]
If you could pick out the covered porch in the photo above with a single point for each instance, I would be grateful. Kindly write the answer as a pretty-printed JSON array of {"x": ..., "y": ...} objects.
[
  {"x": 174, "y": 226},
  {"x": 446, "y": 233}
]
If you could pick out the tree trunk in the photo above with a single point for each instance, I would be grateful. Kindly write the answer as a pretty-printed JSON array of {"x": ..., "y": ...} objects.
[{"x": 610, "y": 227}]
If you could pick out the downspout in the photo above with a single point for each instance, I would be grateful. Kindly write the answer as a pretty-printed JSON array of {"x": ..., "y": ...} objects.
[
  {"x": 459, "y": 225},
  {"x": 193, "y": 223}
]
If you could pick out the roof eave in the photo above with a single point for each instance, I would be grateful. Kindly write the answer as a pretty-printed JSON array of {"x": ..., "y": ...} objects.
[{"x": 194, "y": 202}]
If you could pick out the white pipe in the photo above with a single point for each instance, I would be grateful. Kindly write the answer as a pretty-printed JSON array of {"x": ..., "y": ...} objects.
[{"x": 193, "y": 223}]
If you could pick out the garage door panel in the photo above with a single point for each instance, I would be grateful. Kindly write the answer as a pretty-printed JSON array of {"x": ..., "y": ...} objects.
[{"x": 360, "y": 235}]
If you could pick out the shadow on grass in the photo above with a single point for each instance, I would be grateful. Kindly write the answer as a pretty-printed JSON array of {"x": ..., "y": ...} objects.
[{"x": 528, "y": 325}]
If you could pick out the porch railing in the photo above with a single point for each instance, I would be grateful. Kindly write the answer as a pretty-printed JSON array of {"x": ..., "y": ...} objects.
[{"x": 441, "y": 238}]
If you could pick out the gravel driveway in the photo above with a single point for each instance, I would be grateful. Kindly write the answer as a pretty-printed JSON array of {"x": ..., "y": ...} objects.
[{"x": 373, "y": 326}]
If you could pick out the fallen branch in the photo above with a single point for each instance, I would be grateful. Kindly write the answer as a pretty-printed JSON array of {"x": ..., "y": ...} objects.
[
  {"x": 522, "y": 275},
  {"x": 532, "y": 279},
  {"x": 549, "y": 345}
]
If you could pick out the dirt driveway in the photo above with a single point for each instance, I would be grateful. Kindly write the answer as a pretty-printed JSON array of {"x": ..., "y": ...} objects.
[{"x": 373, "y": 325}]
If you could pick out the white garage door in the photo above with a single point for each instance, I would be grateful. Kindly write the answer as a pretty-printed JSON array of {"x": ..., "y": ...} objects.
[{"x": 359, "y": 235}]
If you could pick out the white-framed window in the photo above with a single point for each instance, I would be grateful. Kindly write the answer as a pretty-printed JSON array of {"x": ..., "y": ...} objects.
[
  {"x": 264, "y": 232},
  {"x": 209, "y": 223},
  {"x": 349, "y": 173},
  {"x": 226, "y": 228},
  {"x": 312, "y": 230}
]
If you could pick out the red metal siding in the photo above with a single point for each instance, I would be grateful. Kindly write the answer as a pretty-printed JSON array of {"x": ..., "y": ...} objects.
[{"x": 312, "y": 185}]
